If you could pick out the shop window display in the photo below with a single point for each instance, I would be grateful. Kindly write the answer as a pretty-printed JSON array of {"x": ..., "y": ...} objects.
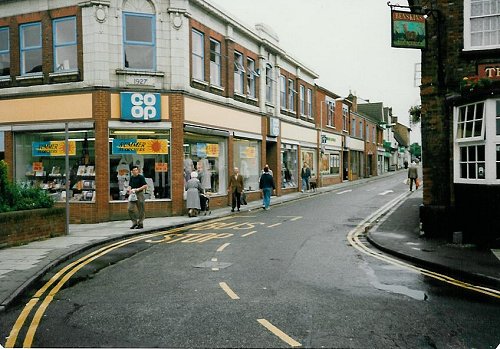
[
  {"x": 148, "y": 149},
  {"x": 40, "y": 160},
  {"x": 206, "y": 155},
  {"x": 330, "y": 163},
  {"x": 289, "y": 166},
  {"x": 246, "y": 156}
]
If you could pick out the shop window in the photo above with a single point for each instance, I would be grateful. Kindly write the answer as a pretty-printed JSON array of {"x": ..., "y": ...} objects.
[
  {"x": 239, "y": 73},
  {"x": 139, "y": 41},
  {"x": 31, "y": 48},
  {"x": 289, "y": 166},
  {"x": 207, "y": 155},
  {"x": 40, "y": 160},
  {"x": 481, "y": 24},
  {"x": 497, "y": 118},
  {"x": 4, "y": 52},
  {"x": 310, "y": 159},
  {"x": 246, "y": 156},
  {"x": 65, "y": 57},
  {"x": 198, "y": 55},
  {"x": 148, "y": 149},
  {"x": 330, "y": 164},
  {"x": 215, "y": 63},
  {"x": 251, "y": 74}
]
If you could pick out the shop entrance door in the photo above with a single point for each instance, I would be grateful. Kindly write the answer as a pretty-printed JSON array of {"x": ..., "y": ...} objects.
[
  {"x": 345, "y": 165},
  {"x": 272, "y": 154}
]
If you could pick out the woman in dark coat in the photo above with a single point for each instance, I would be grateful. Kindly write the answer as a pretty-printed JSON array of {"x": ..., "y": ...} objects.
[{"x": 193, "y": 188}]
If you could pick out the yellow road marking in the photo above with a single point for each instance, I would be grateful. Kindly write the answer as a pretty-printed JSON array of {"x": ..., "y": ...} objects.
[
  {"x": 353, "y": 238},
  {"x": 228, "y": 290},
  {"x": 11, "y": 341},
  {"x": 249, "y": 233},
  {"x": 280, "y": 334},
  {"x": 220, "y": 249},
  {"x": 273, "y": 225}
]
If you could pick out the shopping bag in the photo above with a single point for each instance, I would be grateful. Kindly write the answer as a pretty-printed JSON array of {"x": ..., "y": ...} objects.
[
  {"x": 243, "y": 198},
  {"x": 132, "y": 197},
  {"x": 407, "y": 181},
  {"x": 417, "y": 183}
]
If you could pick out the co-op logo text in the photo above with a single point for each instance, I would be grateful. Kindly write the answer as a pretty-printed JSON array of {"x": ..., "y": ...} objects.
[{"x": 136, "y": 106}]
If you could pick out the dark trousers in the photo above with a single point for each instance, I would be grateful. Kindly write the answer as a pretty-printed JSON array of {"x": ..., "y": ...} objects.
[
  {"x": 413, "y": 180},
  {"x": 236, "y": 202}
]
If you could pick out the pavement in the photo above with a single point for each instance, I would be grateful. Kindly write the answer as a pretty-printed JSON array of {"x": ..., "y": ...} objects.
[{"x": 396, "y": 230}]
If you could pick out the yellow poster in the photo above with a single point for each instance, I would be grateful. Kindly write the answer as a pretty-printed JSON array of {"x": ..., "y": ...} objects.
[{"x": 212, "y": 150}]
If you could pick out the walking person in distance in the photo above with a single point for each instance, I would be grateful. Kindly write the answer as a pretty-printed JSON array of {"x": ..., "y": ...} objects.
[
  {"x": 193, "y": 191},
  {"x": 413, "y": 175},
  {"x": 305, "y": 174},
  {"x": 266, "y": 184},
  {"x": 137, "y": 186}
]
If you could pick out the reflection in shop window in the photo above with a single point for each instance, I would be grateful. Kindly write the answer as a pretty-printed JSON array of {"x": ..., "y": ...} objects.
[
  {"x": 330, "y": 163},
  {"x": 246, "y": 156},
  {"x": 289, "y": 166},
  {"x": 40, "y": 162},
  {"x": 148, "y": 149},
  {"x": 206, "y": 155}
]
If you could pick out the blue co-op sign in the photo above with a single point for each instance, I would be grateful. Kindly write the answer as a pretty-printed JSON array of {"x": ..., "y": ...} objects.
[{"x": 136, "y": 106}]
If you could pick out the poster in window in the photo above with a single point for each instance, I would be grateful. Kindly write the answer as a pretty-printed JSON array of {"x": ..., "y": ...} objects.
[{"x": 408, "y": 30}]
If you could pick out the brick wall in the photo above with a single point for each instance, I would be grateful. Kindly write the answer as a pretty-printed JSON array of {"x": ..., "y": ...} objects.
[{"x": 24, "y": 226}]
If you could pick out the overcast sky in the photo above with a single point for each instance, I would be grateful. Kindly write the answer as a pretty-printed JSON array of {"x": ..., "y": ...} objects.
[{"x": 346, "y": 42}]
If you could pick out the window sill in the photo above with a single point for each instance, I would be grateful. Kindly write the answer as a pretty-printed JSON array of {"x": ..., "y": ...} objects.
[
  {"x": 139, "y": 72},
  {"x": 63, "y": 73},
  {"x": 214, "y": 87},
  {"x": 199, "y": 82},
  {"x": 29, "y": 77}
]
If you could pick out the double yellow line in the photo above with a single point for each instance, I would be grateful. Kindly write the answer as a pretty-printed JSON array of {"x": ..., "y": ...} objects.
[
  {"x": 354, "y": 239},
  {"x": 60, "y": 278}
]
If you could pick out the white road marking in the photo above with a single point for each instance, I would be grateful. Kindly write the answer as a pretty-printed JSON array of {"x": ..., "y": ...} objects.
[
  {"x": 345, "y": 191},
  {"x": 497, "y": 254},
  {"x": 386, "y": 192},
  {"x": 249, "y": 233},
  {"x": 273, "y": 225}
]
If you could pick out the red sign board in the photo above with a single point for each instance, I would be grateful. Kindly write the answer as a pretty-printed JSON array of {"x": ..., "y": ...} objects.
[{"x": 489, "y": 71}]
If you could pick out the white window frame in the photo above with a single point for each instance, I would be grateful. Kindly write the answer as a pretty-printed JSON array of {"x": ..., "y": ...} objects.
[
  {"x": 251, "y": 77},
  {"x": 144, "y": 44},
  {"x": 489, "y": 139},
  {"x": 283, "y": 92},
  {"x": 353, "y": 127},
  {"x": 291, "y": 95},
  {"x": 330, "y": 113},
  {"x": 215, "y": 63},
  {"x": 309, "y": 103},
  {"x": 360, "y": 128},
  {"x": 198, "y": 55},
  {"x": 72, "y": 44},
  {"x": 468, "y": 17},
  {"x": 269, "y": 84},
  {"x": 477, "y": 121},
  {"x": 302, "y": 97},
  {"x": 6, "y": 52},
  {"x": 345, "y": 118},
  {"x": 26, "y": 49},
  {"x": 239, "y": 73}
]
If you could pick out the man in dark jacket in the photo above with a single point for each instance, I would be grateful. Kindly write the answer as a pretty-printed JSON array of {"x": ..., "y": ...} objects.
[
  {"x": 235, "y": 188},
  {"x": 266, "y": 183},
  {"x": 305, "y": 174}
]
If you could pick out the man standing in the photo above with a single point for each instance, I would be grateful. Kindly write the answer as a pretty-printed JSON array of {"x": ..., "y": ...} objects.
[
  {"x": 235, "y": 188},
  {"x": 137, "y": 186},
  {"x": 266, "y": 183},
  {"x": 305, "y": 174}
]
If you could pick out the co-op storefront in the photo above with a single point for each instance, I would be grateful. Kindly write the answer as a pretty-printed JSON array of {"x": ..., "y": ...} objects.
[{"x": 166, "y": 135}]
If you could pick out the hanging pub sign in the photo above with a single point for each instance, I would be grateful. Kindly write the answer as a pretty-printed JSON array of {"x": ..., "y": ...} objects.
[{"x": 408, "y": 30}]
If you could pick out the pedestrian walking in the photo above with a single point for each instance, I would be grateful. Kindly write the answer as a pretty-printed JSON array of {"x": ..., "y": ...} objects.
[
  {"x": 235, "y": 188},
  {"x": 305, "y": 174},
  {"x": 136, "y": 188},
  {"x": 413, "y": 175},
  {"x": 193, "y": 191},
  {"x": 267, "y": 185}
]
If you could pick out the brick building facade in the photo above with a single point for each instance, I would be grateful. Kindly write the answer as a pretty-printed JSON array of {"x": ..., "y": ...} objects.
[{"x": 460, "y": 95}]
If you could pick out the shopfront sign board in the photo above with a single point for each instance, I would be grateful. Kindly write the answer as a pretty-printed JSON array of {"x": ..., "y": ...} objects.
[
  {"x": 137, "y": 106},
  {"x": 52, "y": 148}
]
